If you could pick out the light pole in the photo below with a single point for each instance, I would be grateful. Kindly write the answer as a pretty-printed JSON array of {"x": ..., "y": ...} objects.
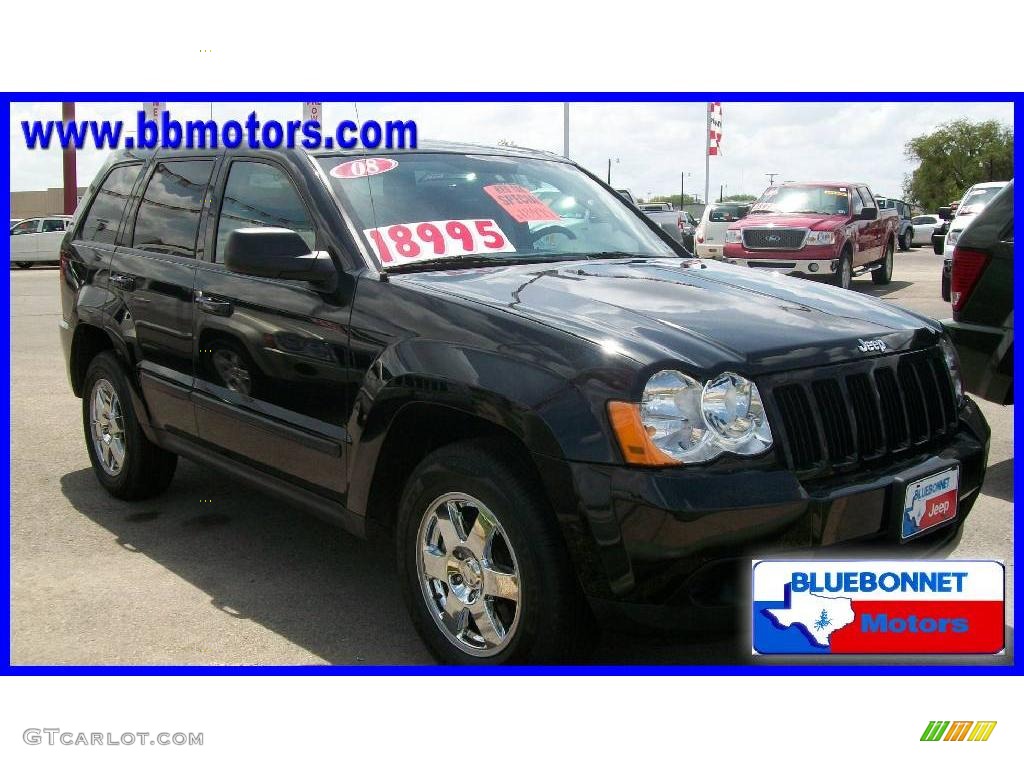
[
  {"x": 682, "y": 189},
  {"x": 565, "y": 129},
  {"x": 610, "y": 170},
  {"x": 771, "y": 178}
]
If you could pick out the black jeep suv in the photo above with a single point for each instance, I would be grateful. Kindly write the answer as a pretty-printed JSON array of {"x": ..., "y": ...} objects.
[{"x": 489, "y": 356}]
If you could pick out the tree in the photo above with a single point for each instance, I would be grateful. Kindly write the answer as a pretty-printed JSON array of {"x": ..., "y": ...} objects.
[
  {"x": 739, "y": 199},
  {"x": 674, "y": 199},
  {"x": 955, "y": 156}
]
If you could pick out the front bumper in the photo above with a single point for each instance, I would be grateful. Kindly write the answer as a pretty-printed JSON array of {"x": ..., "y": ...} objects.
[
  {"x": 788, "y": 266},
  {"x": 668, "y": 545}
]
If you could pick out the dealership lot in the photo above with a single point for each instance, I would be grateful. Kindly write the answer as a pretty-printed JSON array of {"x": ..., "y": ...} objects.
[{"x": 215, "y": 573}]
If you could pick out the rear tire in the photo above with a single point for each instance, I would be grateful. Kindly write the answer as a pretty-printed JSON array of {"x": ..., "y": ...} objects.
[
  {"x": 515, "y": 600},
  {"x": 23, "y": 264},
  {"x": 126, "y": 463},
  {"x": 884, "y": 275}
]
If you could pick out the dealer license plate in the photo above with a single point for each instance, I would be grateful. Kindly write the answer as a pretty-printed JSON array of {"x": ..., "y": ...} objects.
[{"x": 930, "y": 501}]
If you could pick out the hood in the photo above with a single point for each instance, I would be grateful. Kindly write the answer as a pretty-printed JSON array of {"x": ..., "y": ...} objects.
[
  {"x": 707, "y": 315},
  {"x": 801, "y": 220}
]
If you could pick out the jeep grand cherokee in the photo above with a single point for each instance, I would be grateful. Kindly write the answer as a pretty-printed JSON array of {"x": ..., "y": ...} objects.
[{"x": 489, "y": 356}]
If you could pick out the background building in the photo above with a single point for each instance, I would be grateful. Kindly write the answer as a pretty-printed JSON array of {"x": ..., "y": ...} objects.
[{"x": 25, "y": 205}]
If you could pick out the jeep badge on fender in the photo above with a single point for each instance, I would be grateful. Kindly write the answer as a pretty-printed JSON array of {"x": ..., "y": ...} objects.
[{"x": 491, "y": 359}]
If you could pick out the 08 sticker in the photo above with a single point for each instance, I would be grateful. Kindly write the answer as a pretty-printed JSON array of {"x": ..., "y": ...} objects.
[
  {"x": 364, "y": 166},
  {"x": 417, "y": 241}
]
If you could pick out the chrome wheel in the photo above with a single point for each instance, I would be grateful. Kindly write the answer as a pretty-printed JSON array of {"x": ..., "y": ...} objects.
[
  {"x": 106, "y": 421},
  {"x": 232, "y": 370},
  {"x": 845, "y": 272},
  {"x": 468, "y": 574}
]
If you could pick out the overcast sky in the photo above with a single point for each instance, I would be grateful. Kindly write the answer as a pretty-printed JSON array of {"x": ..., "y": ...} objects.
[{"x": 649, "y": 143}]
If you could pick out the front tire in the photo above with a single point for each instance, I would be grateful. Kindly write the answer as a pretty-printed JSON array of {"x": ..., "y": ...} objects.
[
  {"x": 23, "y": 264},
  {"x": 907, "y": 240},
  {"x": 483, "y": 568},
  {"x": 126, "y": 463},
  {"x": 884, "y": 275},
  {"x": 844, "y": 270}
]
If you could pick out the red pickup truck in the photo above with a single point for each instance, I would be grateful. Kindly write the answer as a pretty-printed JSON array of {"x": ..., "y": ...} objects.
[{"x": 832, "y": 230}]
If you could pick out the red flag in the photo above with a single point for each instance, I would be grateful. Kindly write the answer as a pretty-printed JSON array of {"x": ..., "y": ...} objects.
[{"x": 714, "y": 127}]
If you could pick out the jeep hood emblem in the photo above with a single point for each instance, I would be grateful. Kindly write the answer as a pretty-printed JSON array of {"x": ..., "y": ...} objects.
[{"x": 871, "y": 345}]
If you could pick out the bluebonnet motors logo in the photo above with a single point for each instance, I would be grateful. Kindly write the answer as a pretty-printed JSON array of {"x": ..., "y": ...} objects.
[{"x": 918, "y": 606}]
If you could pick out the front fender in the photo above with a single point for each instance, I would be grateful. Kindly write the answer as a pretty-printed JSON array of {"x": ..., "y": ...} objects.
[{"x": 548, "y": 414}]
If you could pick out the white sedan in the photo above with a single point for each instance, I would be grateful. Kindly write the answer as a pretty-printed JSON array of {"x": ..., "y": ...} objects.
[
  {"x": 37, "y": 240},
  {"x": 923, "y": 228}
]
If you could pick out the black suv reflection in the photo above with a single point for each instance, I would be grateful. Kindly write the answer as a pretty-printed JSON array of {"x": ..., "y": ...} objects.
[{"x": 487, "y": 355}]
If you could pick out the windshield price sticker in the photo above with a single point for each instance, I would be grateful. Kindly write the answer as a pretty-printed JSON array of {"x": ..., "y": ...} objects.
[
  {"x": 366, "y": 166},
  {"x": 520, "y": 203},
  {"x": 418, "y": 241}
]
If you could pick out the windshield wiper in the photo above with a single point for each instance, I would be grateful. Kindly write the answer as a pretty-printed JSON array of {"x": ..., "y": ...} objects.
[
  {"x": 467, "y": 261},
  {"x": 616, "y": 255}
]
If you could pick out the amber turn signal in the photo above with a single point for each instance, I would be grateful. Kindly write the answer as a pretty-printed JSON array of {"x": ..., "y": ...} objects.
[{"x": 636, "y": 445}]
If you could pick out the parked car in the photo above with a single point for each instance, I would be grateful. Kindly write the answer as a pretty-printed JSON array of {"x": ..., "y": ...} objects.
[
  {"x": 982, "y": 298},
  {"x": 552, "y": 424},
  {"x": 905, "y": 226},
  {"x": 833, "y": 230},
  {"x": 971, "y": 204},
  {"x": 627, "y": 194},
  {"x": 924, "y": 226},
  {"x": 687, "y": 226},
  {"x": 35, "y": 241},
  {"x": 709, "y": 237},
  {"x": 667, "y": 219}
]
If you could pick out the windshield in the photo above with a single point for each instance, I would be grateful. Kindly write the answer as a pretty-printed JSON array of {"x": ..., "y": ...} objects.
[
  {"x": 830, "y": 201},
  {"x": 427, "y": 210},
  {"x": 722, "y": 213},
  {"x": 976, "y": 199}
]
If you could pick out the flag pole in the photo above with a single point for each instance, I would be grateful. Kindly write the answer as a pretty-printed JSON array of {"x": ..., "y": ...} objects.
[{"x": 707, "y": 154}]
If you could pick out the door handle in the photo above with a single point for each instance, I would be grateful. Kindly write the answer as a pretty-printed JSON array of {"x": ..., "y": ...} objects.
[
  {"x": 124, "y": 282},
  {"x": 214, "y": 306}
]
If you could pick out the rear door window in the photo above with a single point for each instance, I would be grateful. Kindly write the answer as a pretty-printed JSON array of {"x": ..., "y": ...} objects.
[
  {"x": 28, "y": 227},
  {"x": 104, "y": 217},
  {"x": 168, "y": 217},
  {"x": 260, "y": 195}
]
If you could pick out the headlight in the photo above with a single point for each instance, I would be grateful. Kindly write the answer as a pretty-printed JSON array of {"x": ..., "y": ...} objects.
[
  {"x": 820, "y": 238},
  {"x": 952, "y": 237},
  {"x": 680, "y": 421},
  {"x": 953, "y": 365},
  {"x": 733, "y": 235},
  {"x": 733, "y": 410}
]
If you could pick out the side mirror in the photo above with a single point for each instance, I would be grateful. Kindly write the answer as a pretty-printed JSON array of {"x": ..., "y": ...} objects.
[
  {"x": 867, "y": 214},
  {"x": 946, "y": 213},
  {"x": 276, "y": 253}
]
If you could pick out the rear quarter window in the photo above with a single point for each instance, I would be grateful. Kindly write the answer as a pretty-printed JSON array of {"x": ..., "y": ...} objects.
[{"x": 104, "y": 217}]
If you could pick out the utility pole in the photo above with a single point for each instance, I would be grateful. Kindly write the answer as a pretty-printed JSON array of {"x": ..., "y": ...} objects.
[
  {"x": 609, "y": 171},
  {"x": 70, "y": 165},
  {"x": 682, "y": 189},
  {"x": 565, "y": 129},
  {"x": 707, "y": 156},
  {"x": 771, "y": 178},
  {"x": 721, "y": 193}
]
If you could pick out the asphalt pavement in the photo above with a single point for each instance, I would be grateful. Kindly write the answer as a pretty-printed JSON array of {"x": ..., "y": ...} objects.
[{"x": 213, "y": 572}]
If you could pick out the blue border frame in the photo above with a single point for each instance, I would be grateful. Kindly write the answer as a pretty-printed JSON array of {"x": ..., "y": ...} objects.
[{"x": 517, "y": 96}]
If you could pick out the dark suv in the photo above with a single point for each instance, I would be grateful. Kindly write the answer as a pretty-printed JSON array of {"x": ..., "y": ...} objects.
[
  {"x": 489, "y": 356},
  {"x": 981, "y": 291}
]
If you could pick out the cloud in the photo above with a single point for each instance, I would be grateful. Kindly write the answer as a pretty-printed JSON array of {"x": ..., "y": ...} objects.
[{"x": 649, "y": 143}]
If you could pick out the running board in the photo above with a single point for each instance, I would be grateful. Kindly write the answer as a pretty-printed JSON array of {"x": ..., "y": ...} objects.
[{"x": 867, "y": 268}]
